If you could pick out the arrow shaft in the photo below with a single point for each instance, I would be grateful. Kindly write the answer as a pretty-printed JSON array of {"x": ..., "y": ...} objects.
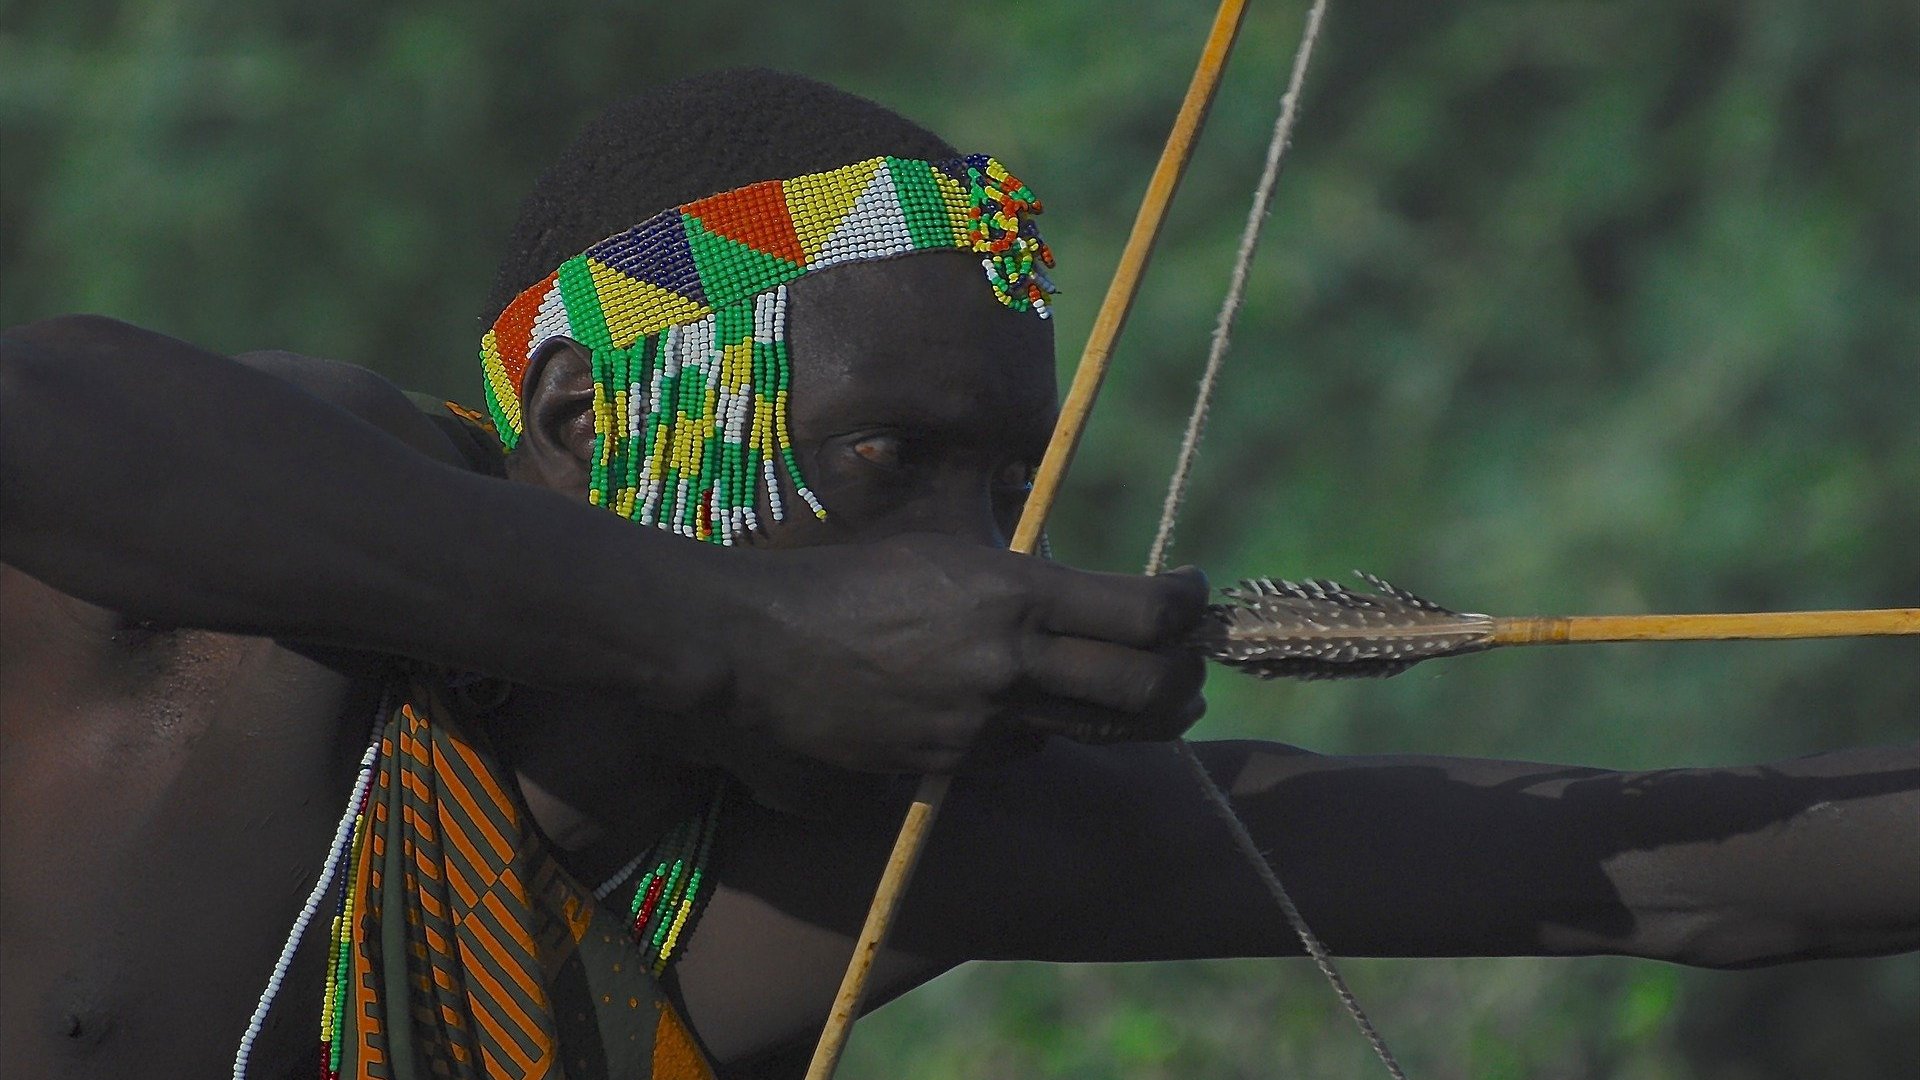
[{"x": 1756, "y": 626}]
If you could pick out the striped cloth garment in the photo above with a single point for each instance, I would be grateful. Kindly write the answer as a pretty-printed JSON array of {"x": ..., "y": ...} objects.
[{"x": 473, "y": 953}]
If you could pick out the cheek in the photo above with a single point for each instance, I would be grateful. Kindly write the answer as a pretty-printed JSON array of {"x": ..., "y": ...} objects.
[
  {"x": 799, "y": 528},
  {"x": 863, "y": 504},
  {"x": 855, "y": 492},
  {"x": 797, "y": 531}
]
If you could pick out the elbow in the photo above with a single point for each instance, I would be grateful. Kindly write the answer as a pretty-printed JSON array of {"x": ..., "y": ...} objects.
[
  {"x": 35, "y": 360},
  {"x": 62, "y": 331},
  {"x": 27, "y": 370},
  {"x": 34, "y": 356}
]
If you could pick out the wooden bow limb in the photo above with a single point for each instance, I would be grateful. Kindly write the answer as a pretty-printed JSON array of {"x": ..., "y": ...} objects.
[{"x": 1074, "y": 412}]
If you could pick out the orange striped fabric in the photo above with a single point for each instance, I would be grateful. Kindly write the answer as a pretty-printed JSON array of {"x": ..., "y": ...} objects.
[{"x": 474, "y": 954}]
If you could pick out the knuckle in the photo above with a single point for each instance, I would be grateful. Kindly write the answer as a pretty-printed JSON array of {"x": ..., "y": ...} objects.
[
  {"x": 997, "y": 665},
  {"x": 1183, "y": 600}
]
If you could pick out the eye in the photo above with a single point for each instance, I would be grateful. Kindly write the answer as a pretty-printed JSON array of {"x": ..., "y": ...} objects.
[{"x": 881, "y": 450}]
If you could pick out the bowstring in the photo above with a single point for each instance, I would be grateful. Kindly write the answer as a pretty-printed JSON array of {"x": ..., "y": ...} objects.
[
  {"x": 1236, "y": 293},
  {"x": 1177, "y": 485}
]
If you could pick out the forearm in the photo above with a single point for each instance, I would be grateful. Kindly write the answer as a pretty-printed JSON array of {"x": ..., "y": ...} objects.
[
  {"x": 1113, "y": 854},
  {"x": 1801, "y": 859},
  {"x": 152, "y": 477}
]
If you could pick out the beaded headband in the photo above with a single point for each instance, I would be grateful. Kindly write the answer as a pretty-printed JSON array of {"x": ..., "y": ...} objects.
[{"x": 685, "y": 315}]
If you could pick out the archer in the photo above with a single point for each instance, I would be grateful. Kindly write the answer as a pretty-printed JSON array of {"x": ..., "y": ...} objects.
[{"x": 221, "y": 573}]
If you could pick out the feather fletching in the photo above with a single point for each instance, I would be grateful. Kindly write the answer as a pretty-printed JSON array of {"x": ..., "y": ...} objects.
[{"x": 1323, "y": 630}]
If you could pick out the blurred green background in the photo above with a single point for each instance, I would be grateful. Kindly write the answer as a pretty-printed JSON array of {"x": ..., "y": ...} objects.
[{"x": 1564, "y": 308}]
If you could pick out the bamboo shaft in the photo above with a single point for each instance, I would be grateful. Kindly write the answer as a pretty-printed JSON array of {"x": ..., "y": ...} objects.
[
  {"x": 1074, "y": 412},
  {"x": 1774, "y": 625}
]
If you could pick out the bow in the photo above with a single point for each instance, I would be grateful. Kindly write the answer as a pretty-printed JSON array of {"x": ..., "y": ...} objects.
[{"x": 1074, "y": 412}]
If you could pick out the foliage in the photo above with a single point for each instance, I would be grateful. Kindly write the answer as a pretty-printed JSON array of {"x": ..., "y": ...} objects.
[{"x": 1565, "y": 307}]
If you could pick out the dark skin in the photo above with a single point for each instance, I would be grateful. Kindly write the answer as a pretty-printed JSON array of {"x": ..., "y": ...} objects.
[{"x": 917, "y": 402}]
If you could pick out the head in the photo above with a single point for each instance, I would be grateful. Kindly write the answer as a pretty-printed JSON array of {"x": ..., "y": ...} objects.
[{"x": 919, "y": 397}]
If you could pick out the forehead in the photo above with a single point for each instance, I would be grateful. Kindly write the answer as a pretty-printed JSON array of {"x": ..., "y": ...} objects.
[{"x": 914, "y": 340}]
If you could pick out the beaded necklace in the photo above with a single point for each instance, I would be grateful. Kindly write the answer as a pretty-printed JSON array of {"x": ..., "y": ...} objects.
[
  {"x": 333, "y": 1004},
  {"x": 665, "y": 903},
  {"x": 343, "y": 834},
  {"x": 471, "y": 922},
  {"x": 685, "y": 317},
  {"x": 669, "y": 896}
]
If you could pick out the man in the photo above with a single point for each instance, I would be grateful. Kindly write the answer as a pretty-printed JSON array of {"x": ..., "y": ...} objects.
[{"x": 169, "y": 792}]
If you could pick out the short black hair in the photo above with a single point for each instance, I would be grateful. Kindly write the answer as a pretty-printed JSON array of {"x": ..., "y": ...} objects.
[{"x": 687, "y": 140}]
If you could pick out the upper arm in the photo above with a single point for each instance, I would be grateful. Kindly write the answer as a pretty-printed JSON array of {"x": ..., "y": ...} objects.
[
  {"x": 1064, "y": 855},
  {"x": 1415, "y": 855},
  {"x": 352, "y": 389},
  {"x": 372, "y": 398}
]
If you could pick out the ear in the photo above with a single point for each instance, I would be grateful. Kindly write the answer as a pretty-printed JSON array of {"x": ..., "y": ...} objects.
[{"x": 557, "y": 411}]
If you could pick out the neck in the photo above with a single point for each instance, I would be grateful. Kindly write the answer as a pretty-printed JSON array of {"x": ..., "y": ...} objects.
[{"x": 596, "y": 788}]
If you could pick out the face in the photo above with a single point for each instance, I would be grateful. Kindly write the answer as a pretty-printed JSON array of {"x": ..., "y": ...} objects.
[{"x": 919, "y": 403}]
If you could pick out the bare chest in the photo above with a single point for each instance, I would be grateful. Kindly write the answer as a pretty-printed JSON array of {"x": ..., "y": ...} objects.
[{"x": 165, "y": 803}]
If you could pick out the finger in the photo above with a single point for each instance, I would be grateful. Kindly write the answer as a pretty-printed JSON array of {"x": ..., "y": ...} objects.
[
  {"x": 1145, "y": 683},
  {"x": 1074, "y": 720},
  {"x": 1123, "y": 608},
  {"x": 1087, "y": 723},
  {"x": 1194, "y": 579},
  {"x": 1191, "y": 594},
  {"x": 1177, "y": 722}
]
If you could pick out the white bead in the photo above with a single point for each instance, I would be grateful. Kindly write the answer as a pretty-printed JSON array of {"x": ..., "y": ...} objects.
[{"x": 342, "y": 833}]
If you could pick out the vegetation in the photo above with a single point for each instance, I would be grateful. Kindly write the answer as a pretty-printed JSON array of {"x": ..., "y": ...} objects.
[{"x": 1565, "y": 307}]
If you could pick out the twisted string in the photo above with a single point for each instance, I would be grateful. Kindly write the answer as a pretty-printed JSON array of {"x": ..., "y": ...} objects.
[
  {"x": 1257, "y": 859},
  {"x": 1177, "y": 486},
  {"x": 1236, "y": 292}
]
